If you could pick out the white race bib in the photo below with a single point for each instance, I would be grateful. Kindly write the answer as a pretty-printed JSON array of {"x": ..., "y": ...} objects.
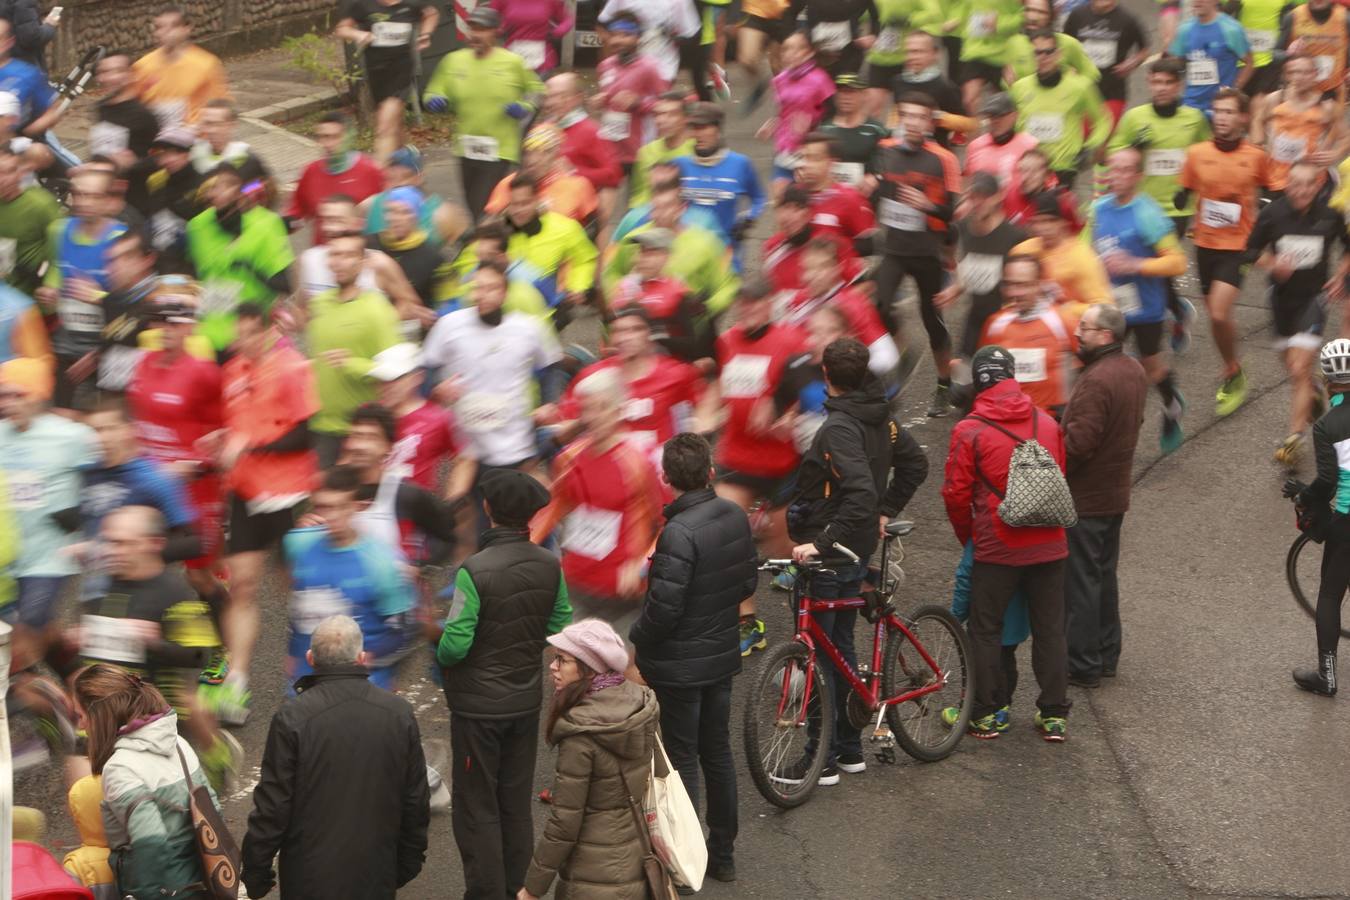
[
  {"x": 1101, "y": 52},
  {"x": 1030, "y": 363},
  {"x": 106, "y": 138},
  {"x": 77, "y": 315},
  {"x": 981, "y": 24},
  {"x": 170, "y": 113},
  {"x": 980, "y": 272},
  {"x": 219, "y": 296},
  {"x": 1202, "y": 72},
  {"x": 615, "y": 126},
  {"x": 1325, "y": 66},
  {"x": 1164, "y": 163},
  {"x": 1127, "y": 297},
  {"x": 117, "y": 640},
  {"x": 535, "y": 53},
  {"x": 1304, "y": 251},
  {"x": 591, "y": 532},
  {"x": 309, "y": 607},
  {"x": 116, "y": 365},
  {"x": 165, "y": 229},
  {"x": 476, "y": 146},
  {"x": 848, "y": 173},
  {"x": 888, "y": 41},
  {"x": 831, "y": 37},
  {"x": 1286, "y": 148},
  {"x": 1261, "y": 41},
  {"x": 789, "y": 161},
  {"x": 1217, "y": 214},
  {"x": 900, "y": 216},
  {"x": 635, "y": 409},
  {"x": 25, "y": 489},
  {"x": 1046, "y": 127},
  {"x": 391, "y": 34},
  {"x": 482, "y": 412},
  {"x": 745, "y": 376}
]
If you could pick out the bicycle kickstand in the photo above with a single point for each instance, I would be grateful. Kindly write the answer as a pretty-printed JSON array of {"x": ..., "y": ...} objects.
[{"x": 883, "y": 739}]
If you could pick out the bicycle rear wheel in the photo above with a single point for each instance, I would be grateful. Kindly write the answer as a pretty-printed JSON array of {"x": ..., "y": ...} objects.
[
  {"x": 789, "y": 723},
  {"x": 1303, "y": 571},
  {"x": 917, "y": 724}
]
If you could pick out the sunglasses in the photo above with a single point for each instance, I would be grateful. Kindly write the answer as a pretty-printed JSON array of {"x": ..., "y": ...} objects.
[{"x": 1046, "y": 51}]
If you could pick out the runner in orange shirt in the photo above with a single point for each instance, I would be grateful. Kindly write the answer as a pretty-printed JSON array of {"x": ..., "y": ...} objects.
[
  {"x": 1298, "y": 123},
  {"x": 561, "y": 189},
  {"x": 1070, "y": 264},
  {"x": 1039, "y": 334},
  {"x": 177, "y": 79},
  {"x": 1320, "y": 29}
]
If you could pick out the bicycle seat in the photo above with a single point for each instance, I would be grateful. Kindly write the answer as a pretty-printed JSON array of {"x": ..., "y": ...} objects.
[{"x": 899, "y": 528}]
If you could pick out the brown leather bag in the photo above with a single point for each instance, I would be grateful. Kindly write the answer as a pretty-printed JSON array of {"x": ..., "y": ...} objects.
[
  {"x": 660, "y": 886},
  {"x": 215, "y": 844}
]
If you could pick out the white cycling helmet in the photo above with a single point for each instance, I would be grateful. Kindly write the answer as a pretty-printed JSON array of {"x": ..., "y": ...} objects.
[{"x": 1335, "y": 360}]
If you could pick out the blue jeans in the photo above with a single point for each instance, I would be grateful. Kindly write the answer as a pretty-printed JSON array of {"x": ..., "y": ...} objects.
[
  {"x": 846, "y": 581},
  {"x": 36, "y": 605}
]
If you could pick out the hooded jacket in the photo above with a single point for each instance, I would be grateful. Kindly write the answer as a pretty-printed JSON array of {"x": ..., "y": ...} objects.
[
  {"x": 145, "y": 812},
  {"x": 979, "y": 457},
  {"x": 842, "y": 483},
  {"x": 89, "y": 862},
  {"x": 590, "y": 842}
]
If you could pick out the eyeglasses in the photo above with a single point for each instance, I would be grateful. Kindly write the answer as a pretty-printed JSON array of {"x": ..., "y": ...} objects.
[{"x": 1046, "y": 51}]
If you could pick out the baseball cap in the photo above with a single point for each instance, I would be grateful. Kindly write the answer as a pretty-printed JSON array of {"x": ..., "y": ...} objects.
[
  {"x": 997, "y": 105},
  {"x": 174, "y": 310},
  {"x": 484, "y": 16},
  {"x": 1047, "y": 204},
  {"x": 178, "y": 137},
  {"x": 990, "y": 365},
  {"x": 392, "y": 363},
  {"x": 705, "y": 113},
  {"x": 407, "y": 158},
  {"x": 9, "y": 104},
  {"x": 849, "y": 82},
  {"x": 984, "y": 183},
  {"x": 654, "y": 239}
]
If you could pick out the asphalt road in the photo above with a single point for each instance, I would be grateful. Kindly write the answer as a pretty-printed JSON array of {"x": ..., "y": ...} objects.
[{"x": 1199, "y": 772}]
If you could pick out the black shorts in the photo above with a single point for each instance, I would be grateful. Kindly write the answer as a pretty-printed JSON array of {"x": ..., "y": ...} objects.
[
  {"x": 390, "y": 77},
  {"x": 1264, "y": 80},
  {"x": 248, "y": 533},
  {"x": 776, "y": 491},
  {"x": 777, "y": 29},
  {"x": 1299, "y": 322},
  {"x": 1147, "y": 337},
  {"x": 1181, "y": 223},
  {"x": 974, "y": 69},
  {"x": 879, "y": 76},
  {"x": 1228, "y": 266}
]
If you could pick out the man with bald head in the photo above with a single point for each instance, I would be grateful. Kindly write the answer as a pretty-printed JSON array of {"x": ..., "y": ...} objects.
[
  {"x": 1139, "y": 248},
  {"x": 592, "y": 157}
]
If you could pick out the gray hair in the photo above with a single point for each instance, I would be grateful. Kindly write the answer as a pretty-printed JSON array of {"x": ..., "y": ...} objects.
[
  {"x": 336, "y": 642},
  {"x": 1110, "y": 318},
  {"x": 604, "y": 384}
]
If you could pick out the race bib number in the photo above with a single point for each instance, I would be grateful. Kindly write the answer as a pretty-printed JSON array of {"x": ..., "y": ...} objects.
[
  {"x": 1164, "y": 163},
  {"x": 79, "y": 316},
  {"x": 482, "y": 412},
  {"x": 1102, "y": 53},
  {"x": 1217, "y": 214},
  {"x": 900, "y": 216},
  {"x": 25, "y": 489},
  {"x": 169, "y": 113},
  {"x": 1304, "y": 251},
  {"x": 745, "y": 376},
  {"x": 981, "y": 24},
  {"x": 1287, "y": 148},
  {"x": 789, "y": 161},
  {"x": 1030, "y": 363},
  {"x": 309, "y": 607},
  {"x": 980, "y": 272},
  {"x": 637, "y": 408},
  {"x": 1046, "y": 127},
  {"x": 1202, "y": 72},
  {"x": 591, "y": 532},
  {"x": 115, "y": 367},
  {"x": 9, "y": 254},
  {"x": 615, "y": 126},
  {"x": 1261, "y": 41},
  {"x": 535, "y": 53},
  {"x": 1325, "y": 66},
  {"x": 106, "y": 139},
  {"x": 848, "y": 172},
  {"x": 888, "y": 41},
  {"x": 1127, "y": 297},
  {"x": 391, "y": 34},
  {"x": 165, "y": 229},
  {"x": 483, "y": 149},
  {"x": 220, "y": 296},
  {"x": 831, "y": 37},
  {"x": 113, "y": 639}
]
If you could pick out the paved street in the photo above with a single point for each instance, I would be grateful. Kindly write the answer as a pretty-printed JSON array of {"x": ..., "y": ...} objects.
[{"x": 1199, "y": 772}]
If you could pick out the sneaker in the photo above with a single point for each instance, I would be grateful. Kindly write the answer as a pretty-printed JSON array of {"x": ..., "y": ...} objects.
[
  {"x": 221, "y": 762},
  {"x": 216, "y": 669},
  {"x": 852, "y": 763},
  {"x": 752, "y": 636},
  {"x": 1052, "y": 728},
  {"x": 1231, "y": 395},
  {"x": 1289, "y": 451},
  {"x": 721, "y": 871},
  {"x": 784, "y": 581},
  {"x": 1172, "y": 436},
  {"x": 1003, "y": 718},
  {"x": 718, "y": 77},
  {"x": 1181, "y": 328},
  {"x": 231, "y": 705},
  {"x": 829, "y": 776},
  {"x": 984, "y": 729},
  {"x": 941, "y": 402}
]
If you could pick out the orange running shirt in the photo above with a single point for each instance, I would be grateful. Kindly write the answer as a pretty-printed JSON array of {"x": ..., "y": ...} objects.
[
  {"x": 177, "y": 90},
  {"x": 1042, "y": 344},
  {"x": 1294, "y": 134},
  {"x": 1325, "y": 43},
  {"x": 265, "y": 400},
  {"x": 1226, "y": 185}
]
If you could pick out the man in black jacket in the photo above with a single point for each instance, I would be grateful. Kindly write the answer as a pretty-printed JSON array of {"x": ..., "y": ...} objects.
[
  {"x": 843, "y": 497},
  {"x": 509, "y": 597},
  {"x": 343, "y": 794},
  {"x": 688, "y": 636}
]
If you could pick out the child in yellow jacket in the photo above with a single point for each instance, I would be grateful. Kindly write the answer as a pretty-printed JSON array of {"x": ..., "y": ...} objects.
[{"x": 89, "y": 862}]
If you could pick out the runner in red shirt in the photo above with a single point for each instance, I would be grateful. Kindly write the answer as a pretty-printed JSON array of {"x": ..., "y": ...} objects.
[
  {"x": 782, "y": 254},
  {"x": 756, "y": 456},
  {"x": 679, "y": 319},
  {"x": 836, "y": 208},
  {"x": 608, "y": 497},
  {"x": 824, "y": 285}
]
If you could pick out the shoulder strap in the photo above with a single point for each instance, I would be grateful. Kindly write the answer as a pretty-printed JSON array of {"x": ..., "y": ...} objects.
[
  {"x": 187, "y": 776},
  {"x": 993, "y": 424}
]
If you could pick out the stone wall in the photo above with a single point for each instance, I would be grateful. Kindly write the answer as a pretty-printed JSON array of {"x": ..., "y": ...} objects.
[{"x": 222, "y": 26}]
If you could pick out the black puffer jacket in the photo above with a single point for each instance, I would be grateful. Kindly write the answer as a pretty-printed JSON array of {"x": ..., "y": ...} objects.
[
  {"x": 343, "y": 794},
  {"x": 703, "y": 567}
]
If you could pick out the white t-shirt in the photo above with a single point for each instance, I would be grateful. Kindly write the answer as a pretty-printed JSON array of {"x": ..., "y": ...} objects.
[
  {"x": 496, "y": 367},
  {"x": 316, "y": 277}
]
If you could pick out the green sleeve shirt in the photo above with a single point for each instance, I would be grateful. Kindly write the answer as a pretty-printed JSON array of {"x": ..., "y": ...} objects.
[{"x": 362, "y": 326}]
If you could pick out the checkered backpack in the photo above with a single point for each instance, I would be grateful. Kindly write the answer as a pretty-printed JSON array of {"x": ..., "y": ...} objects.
[{"x": 1037, "y": 494}]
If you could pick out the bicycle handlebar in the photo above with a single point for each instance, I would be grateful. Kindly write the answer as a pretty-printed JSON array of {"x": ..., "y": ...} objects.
[{"x": 814, "y": 562}]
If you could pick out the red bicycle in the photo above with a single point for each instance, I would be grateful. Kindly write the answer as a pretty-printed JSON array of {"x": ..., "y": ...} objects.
[{"x": 920, "y": 664}]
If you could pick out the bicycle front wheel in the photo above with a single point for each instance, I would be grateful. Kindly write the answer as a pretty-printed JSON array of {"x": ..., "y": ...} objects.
[
  {"x": 917, "y": 724},
  {"x": 1303, "y": 571},
  {"x": 789, "y": 723}
]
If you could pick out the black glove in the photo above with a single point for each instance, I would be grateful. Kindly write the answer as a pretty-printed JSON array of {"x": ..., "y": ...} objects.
[
  {"x": 740, "y": 229},
  {"x": 1293, "y": 488}
]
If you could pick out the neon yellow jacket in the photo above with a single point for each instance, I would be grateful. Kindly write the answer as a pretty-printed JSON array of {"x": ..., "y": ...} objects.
[
  {"x": 559, "y": 259},
  {"x": 9, "y": 545},
  {"x": 697, "y": 257}
]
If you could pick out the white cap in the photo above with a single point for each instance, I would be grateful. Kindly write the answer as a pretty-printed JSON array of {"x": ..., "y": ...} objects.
[
  {"x": 9, "y": 104},
  {"x": 394, "y": 362}
]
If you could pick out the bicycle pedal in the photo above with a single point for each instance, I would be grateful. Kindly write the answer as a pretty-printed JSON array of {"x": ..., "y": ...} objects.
[{"x": 886, "y": 756}]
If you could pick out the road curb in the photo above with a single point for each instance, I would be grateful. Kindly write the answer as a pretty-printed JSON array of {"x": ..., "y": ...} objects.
[{"x": 295, "y": 108}]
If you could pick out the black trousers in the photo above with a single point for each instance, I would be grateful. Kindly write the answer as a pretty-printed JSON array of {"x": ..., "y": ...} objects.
[
  {"x": 1092, "y": 596},
  {"x": 1335, "y": 582},
  {"x": 696, "y": 730},
  {"x": 991, "y": 587},
  {"x": 982, "y": 307},
  {"x": 479, "y": 177},
  {"x": 491, "y": 783},
  {"x": 694, "y": 57},
  {"x": 927, "y": 274}
]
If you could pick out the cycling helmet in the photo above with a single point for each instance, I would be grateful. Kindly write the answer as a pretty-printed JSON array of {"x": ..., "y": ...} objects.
[{"x": 1335, "y": 361}]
